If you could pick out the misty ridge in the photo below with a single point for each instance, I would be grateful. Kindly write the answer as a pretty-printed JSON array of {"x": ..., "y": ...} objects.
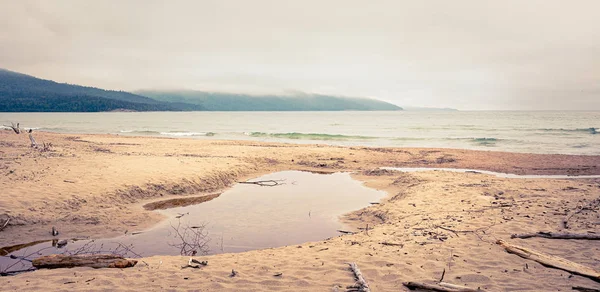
[
  {"x": 24, "y": 93},
  {"x": 297, "y": 101}
]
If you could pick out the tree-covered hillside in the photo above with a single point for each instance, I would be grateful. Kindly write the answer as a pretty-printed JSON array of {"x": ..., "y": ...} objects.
[
  {"x": 242, "y": 102},
  {"x": 24, "y": 93}
]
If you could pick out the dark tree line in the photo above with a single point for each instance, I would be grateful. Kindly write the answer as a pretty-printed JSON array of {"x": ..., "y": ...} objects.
[{"x": 23, "y": 93}]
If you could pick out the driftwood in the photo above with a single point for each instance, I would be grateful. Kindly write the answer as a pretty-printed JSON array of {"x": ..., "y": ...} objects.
[
  {"x": 361, "y": 284},
  {"x": 5, "y": 224},
  {"x": 584, "y": 289},
  {"x": 555, "y": 235},
  {"x": 441, "y": 287},
  {"x": 551, "y": 261},
  {"x": 392, "y": 244},
  {"x": 14, "y": 127},
  {"x": 345, "y": 232},
  {"x": 57, "y": 261},
  {"x": 33, "y": 143},
  {"x": 195, "y": 264}
]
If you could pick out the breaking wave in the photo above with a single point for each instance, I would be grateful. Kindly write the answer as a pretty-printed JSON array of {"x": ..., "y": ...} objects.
[
  {"x": 592, "y": 131},
  {"x": 171, "y": 133},
  {"x": 308, "y": 136},
  {"x": 485, "y": 141},
  {"x": 187, "y": 134}
]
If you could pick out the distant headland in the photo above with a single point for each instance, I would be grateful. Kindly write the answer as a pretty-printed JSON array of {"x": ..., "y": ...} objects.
[{"x": 25, "y": 93}]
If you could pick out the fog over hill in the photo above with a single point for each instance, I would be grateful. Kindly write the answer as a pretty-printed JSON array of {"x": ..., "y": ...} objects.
[
  {"x": 298, "y": 101},
  {"x": 25, "y": 93}
]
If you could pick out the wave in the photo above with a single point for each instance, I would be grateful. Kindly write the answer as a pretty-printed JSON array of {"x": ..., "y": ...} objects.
[
  {"x": 485, "y": 141},
  {"x": 592, "y": 131},
  {"x": 187, "y": 134},
  {"x": 579, "y": 146},
  {"x": 25, "y": 128},
  {"x": 140, "y": 132},
  {"x": 480, "y": 141},
  {"x": 308, "y": 136},
  {"x": 171, "y": 133}
]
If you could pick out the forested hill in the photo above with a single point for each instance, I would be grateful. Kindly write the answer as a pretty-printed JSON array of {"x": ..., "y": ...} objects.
[
  {"x": 212, "y": 101},
  {"x": 24, "y": 93}
]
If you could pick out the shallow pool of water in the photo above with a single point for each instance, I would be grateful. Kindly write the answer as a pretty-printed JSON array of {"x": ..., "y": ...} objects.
[{"x": 304, "y": 207}]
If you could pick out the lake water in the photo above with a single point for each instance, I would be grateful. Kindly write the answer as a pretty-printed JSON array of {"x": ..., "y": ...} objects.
[
  {"x": 305, "y": 207},
  {"x": 529, "y": 132}
]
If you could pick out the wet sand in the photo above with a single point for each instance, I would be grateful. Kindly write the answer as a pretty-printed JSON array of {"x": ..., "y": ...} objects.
[{"x": 97, "y": 185}]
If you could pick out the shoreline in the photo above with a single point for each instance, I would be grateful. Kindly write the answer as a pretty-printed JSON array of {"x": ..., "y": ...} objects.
[
  {"x": 137, "y": 194},
  {"x": 97, "y": 184}
]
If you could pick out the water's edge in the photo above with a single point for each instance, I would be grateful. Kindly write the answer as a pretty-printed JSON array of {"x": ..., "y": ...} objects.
[{"x": 497, "y": 174}]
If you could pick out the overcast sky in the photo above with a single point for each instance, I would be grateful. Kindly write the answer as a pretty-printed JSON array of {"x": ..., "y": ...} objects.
[{"x": 520, "y": 54}]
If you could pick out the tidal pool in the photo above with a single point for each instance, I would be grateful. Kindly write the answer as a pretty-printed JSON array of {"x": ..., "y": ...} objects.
[{"x": 303, "y": 207}]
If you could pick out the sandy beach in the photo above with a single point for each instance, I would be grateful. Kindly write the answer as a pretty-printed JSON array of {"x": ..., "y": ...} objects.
[{"x": 431, "y": 223}]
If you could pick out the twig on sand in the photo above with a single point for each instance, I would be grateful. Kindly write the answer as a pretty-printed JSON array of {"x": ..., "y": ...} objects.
[
  {"x": 345, "y": 232},
  {"x": 551, "y": 261},
  {"x": 593, "y": 205},
  {"x": 10, "y": 273},
  {"x": 5, "y": 224},
  {"x": 195, "y": 264},
  {"x": 584, "y": 289},
  {"x": 554, "y": 235},
  {"x": 475, "y": 231},
  {"x": 440, "y": 287},
  {"x": 361, "y": 284},
  {"x": 391, "y": 243}
]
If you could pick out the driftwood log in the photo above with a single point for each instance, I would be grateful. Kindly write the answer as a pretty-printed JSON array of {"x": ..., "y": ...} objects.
[
  {"x": 556, "y": 235},
  {"x": 57, "y": 261},
  {"x": 551, "y": 261},
  {"x": 361, "y": 284},
  {"x": 33, "y": 143},
  {"x": 14, "y": 127},
  {"x": 440, "y": 287},
  {"x": 584, "y": 289}
]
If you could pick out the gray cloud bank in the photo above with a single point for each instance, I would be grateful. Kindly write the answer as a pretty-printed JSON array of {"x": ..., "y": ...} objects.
[{"x": 465, "y": 54}]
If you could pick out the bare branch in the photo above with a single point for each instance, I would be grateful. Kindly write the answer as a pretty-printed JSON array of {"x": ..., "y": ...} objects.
[
  {"x": 264, "y": 183},
  {"x": 14, "y": 127},
  {"x": 555, "y": 235},
  {"x": 5, "y": 224},
  {"x": 190, "y": 240},
  {"x": 440, "y": 287},
  {"x": 361, "y": 284},
  {"x": 592, "y": 206}
]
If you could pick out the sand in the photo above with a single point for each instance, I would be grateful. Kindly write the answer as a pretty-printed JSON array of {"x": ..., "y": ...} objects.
[{"x": 97, "y": 185}]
